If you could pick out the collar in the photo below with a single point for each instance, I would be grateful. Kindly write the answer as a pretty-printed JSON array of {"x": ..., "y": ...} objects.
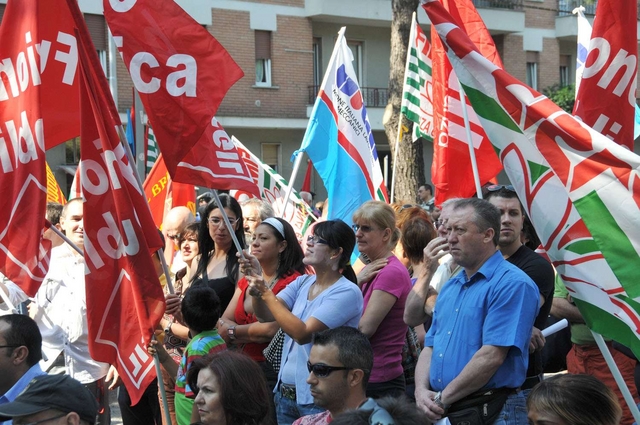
[
  {"x": 20, "y": 385},
  {"x": 487, "y": 269}
]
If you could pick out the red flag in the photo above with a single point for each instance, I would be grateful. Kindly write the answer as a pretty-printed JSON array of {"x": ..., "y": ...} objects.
[
  {"x": 606, "y": 99},
  {"x": 451, "y": 170},
  {"x": 306, "y": 183},
  {"x": 182, "y": 74},
  {"x": 163, "y": 193},
  {"x": 124, "y": 297},
  {"x": 76, "y": 186}
]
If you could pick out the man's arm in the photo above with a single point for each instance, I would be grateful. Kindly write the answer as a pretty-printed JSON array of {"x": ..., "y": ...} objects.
[
  {"x": 563, "y": 309},
  {"x": 482, "y": 366},
  {"x": 423, "y": 393}
]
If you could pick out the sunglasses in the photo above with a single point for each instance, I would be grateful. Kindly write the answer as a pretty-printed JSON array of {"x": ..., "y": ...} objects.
[
  {"x": 497, "y": 187},
  {"x": 322, "y": 370},
  {"x": 364, "y": 228},
  {"x": 314, "y": 239},
  {"x": 174, "y": 237}
]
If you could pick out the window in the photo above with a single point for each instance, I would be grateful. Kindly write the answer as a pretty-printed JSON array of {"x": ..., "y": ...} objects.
[
  {"x": 317, "y": 61},
  {"x": 72, "y": 151},
  {"x": 565, "y": 70},
  {"x": 356, "y": 49},
  {"x": 263, "y": 58},
  {"x": 271, "y": 155},
  {"x": 532, "y": 70}
]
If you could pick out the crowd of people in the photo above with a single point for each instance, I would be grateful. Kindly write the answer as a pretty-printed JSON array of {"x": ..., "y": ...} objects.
[{"x": 413, "y": 314}]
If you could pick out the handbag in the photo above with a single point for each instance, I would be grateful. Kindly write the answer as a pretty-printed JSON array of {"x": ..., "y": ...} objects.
[
  {"x": 410, "y": 354},
  {"x": 273, "y": 352},
  {"x": 479, "y": 408}
]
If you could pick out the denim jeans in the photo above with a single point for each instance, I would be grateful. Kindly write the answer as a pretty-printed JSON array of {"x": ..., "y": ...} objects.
[
  {"x": 514, "y": 411},
  {"x": 288, "y": 410}
]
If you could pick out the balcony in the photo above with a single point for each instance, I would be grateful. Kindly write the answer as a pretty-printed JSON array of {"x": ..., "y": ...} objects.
[
  {"x": 373, "y": 97},
  {"x": 499, "y": 4},
  {"x": 565, "y": 7}
]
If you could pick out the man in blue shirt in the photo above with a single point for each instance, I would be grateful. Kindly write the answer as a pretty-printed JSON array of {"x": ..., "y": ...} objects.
[
  {"x": 20, "y": 352},
  {"x": 482, "y": 321}
]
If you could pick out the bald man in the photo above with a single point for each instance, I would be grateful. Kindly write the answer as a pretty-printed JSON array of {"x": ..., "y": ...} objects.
[{"x": 174, "y": 223}]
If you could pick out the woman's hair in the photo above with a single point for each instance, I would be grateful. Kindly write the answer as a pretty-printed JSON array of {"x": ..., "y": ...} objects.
[
  {"x": 576, "y": 399},
  {"x": 416, "y": 234},
  {"x": 339, "y": 235},
  {"x": 243, "y": 389},
  {"x": 205, "y": 242},
  {"x": 381, "y": 215},
  {"x": 291, "y": 258},
  {"x": 191, "y": 229}
]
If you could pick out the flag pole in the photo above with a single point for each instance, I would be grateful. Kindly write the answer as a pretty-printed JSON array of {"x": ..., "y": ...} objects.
[
  {"x": 296, "y": 164},
  {"x": 472, "y": 151},
  {"x": 294, "y": 174},
  {"x": 412, "y": 34},
  {"x": 63, "y": 236},
  {"x": 628, "y": 398}
]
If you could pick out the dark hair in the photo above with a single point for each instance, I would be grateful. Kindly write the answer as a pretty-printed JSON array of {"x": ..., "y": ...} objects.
[
  {"x": 427, "y": 186},
  {"x": 54, "y": 211},
  {"x": 205, "y": 242},
  {"x": 532, "y": 240},
  {"x": 243, "y": 388},
  {"x": 400, "y": 409},
  {"x": 339, "y": 235},
  {"x": 503, "y": 192},
  {"x": 191, "y": 229},
  {"x": 23, "y": 330},
  {"x": 576, "y": 399},
  {"x": 200, "y": 308},
  {"x": 416, "y": 234},
  {"x": 292, "y": 256},
  {"x": 486, "y": 215},
  {"x": 354, "y": 348}
]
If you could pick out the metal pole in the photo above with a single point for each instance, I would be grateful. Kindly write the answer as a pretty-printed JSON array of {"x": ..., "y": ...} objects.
[{"x": 472, "y": 152}]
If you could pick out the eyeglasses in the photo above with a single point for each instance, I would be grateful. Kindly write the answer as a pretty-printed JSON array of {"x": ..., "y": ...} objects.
[
  {"x": 43, "y": 420},
  {"x": 406, "y": 206},
  {"x": 364, "y": 228},
  {"x": 174, "y": 237},
  {"x": 10, "y": 346},
  {"x": 322, "y": 370},
  {"x": 497, "y": 187},
  {"x": 215, "y": 221},
  {"x": 314, "y": 239}
]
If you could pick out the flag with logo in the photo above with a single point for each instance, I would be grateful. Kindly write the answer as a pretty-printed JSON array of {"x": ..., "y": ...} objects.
[
  {"x": 125, "y": 301},
  {"x": 605, "y": 89},
  {"x": 417, "y": 104},
  {"x": 182, "y": 74},
  {"x": 152, "y": 148},
  {"x": 580, "y": 189},
  {"x": 54, "y": 193},
  {"x": 339, "y": 140},
  {"x": 451, "y": 170},
  {"x": 38, "y": 110},
  {"x": 273, "y": 189}
]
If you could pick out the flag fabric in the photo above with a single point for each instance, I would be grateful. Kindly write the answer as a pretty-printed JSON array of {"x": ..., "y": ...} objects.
[
  {"x": 607, "y": 100},
  {"x": 75, "y": 191},
  {"x": 306, "y": 183},
  {"x": 451, "y": 170},
  {"x": 273, "y": 189},
  {"x": 339, "y": 140},
  {"x": 38, "y": 110},
  {"x": 580, "y": 189},
  {"x": 163, "y": 193},
  {"x": 182, "y": 74},
  {"x": 152, "y": 148},
  {"x": 54, "y": 193},
  {"x": 125, "y": 301},
  {"x": 417, "y": 93}
]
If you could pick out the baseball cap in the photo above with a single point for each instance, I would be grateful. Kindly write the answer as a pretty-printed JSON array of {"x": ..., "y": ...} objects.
[{"x": 59, "y": 392}]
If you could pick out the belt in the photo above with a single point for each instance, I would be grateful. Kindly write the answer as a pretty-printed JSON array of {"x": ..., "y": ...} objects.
[
  {"x": 530, "y": 382},
  {"x": 288, "y": 391}
]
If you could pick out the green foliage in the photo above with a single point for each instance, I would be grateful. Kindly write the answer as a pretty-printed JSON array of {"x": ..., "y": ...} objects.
[{"x": 564, "y": 97}]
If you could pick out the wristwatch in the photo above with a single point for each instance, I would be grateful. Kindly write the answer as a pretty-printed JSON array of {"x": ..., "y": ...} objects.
[
  {"x": 438, "y": 400},
  {"x": 232, "y": 332}
]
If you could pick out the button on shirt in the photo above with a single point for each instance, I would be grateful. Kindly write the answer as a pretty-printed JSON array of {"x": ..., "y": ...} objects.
[
  {"x": 496, "y": 306},
  {"x": 62, "y": 317},
  {"x": 19, "y": 386}
]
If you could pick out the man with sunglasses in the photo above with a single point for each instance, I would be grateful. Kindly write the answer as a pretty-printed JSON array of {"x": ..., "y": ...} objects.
[
  {"x": 51, "y": 400},
  {"x": 340, "y": 363},
  {"x": 20, "y": 354}
]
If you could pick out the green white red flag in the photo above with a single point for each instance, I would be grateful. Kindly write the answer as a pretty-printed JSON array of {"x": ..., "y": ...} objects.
[
  {"x": 417, "y": 94},
  {"x": 273, "y": 189},
  {"x": 152, "y": 148},
  {"x": 580, "y": 189},
  {"x": 451, "y": 171}
]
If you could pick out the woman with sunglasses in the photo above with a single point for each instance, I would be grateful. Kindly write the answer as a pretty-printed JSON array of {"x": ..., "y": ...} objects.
[
  {"x": 279, "y": 254},
  {"x": 218, "y": 265},
  {"x": 384, "y": 297},
  {"x": 309, "y": 304}
]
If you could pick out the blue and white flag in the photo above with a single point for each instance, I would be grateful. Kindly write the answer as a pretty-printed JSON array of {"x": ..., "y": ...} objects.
[{"x": 339, "y": 140}]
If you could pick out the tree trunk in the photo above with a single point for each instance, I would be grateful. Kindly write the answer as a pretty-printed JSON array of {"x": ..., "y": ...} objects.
[{"x": 409, "y": 170}]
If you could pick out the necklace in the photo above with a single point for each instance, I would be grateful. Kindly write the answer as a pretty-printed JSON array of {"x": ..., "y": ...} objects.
[{"x": 271, "y": 280}]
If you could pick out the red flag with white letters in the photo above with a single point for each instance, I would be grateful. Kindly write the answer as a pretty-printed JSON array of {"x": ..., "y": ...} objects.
[
  {"x": 38, "y": 110},
  {"x": 182, "y": 74},
  {"x": 606, "y": 99},
  {"x": 125, "y": 301}
]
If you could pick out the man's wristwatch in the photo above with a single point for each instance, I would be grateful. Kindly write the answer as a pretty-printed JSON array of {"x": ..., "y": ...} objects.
[
  {"x": 438, "y": 400},
  {"x": 232, "y": 332}
]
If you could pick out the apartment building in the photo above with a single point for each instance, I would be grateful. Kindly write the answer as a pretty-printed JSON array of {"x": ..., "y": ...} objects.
[{"x": 284, "y": 46}]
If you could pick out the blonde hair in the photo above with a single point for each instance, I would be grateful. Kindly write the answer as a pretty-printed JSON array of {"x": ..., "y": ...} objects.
[{"x": 380, "y": 214}]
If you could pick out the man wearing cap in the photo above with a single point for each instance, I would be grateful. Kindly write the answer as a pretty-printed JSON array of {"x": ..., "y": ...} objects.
[{"x": 54, "y": 399}]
